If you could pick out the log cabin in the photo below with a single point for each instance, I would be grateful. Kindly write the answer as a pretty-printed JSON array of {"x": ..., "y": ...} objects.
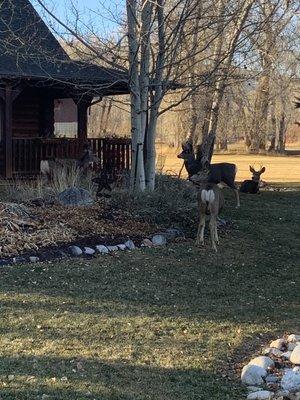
[{"x": 35, "y": 72}]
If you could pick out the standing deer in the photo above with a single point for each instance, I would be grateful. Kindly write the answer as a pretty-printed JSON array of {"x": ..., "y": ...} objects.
[
  {"x": 252, "y": 185},
  {"x": 83, "y": 164},
  {"x": 217, "y": 173},
  {"x": 210, "y": 202},
  {"x": 87, "y": 159}
]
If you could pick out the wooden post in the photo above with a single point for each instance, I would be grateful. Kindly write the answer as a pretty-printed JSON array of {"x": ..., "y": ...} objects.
[
  {"x": 9, "y": 94},
  {"x": 82, "y": 110},
  {"x": 47, "y": 117},
  {"x": 8, "y": 170}
]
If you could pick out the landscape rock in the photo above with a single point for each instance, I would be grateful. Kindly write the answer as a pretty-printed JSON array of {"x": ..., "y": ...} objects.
[
  {"x": 147, "y": 243},
  {"x": 102, "y": 249},
  {"x": 295, "y": 356},
  {"x": 34, "y": 259},
  {"x": 286, "y": 355},
  {"x": 278, "y": 344},
  {"x": 89, "y": 251},
  {"x": 291, "y": 346},
  {"x": 261, "y": 395},
  {"x": 130, "y": 245},
  {"x": 173, "y": 233},
  {"x": 291, "y": 380},
  {"x": 262, "y": 361},
  {"x": 293, "y": 338},
  {"x": 113, "y": 248},
  {"x": 276, "y": 352},
  {"x": 159, "y": 240},
  {"x": 266, "y": 351},
  {"x": 122, "y": 247},
  {"x": 75, "y": 197},
  {"x": 19, "y": 260},
  {"x": 253, "y": 375},
  {"x": 282, "y": 393},
  {"x": 75, "y": 251}
]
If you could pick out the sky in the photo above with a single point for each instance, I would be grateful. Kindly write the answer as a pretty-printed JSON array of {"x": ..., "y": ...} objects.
[{"x": 101, "y": 14}]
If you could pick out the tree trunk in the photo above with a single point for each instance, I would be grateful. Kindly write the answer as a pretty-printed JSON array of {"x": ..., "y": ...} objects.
[
  {"x": 137, "y": 178},
  {"x": 281, "y": 134},
  {"x": 273, "y": 128},
  {"x": 155, "y": 99}
]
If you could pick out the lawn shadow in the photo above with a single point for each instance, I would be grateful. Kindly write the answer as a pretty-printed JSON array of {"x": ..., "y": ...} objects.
[{"x": 78, "y": 379}]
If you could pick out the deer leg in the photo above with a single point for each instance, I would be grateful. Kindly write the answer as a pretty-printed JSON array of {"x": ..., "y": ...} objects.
[
  {"x": 216, "y": 234},
  {"x": 237, "y": 196},
  {"x": 233, "y": 186},
  {"x": 200, "y": 233},
  {"x": 212, "y": 227}
]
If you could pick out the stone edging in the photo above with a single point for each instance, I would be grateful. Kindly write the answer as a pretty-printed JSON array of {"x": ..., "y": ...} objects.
[{"x": 275, "y": 374}]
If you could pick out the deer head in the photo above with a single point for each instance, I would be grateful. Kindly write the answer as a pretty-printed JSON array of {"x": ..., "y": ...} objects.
[
  {"x": 187, "y": 150},
  {"x": 256, "y": 174},
  {"x": 87, "y": 158}
]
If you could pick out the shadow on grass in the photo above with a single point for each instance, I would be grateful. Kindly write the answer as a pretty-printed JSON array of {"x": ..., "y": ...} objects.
[
  {"x": 61, "y": 379},
  {"x": 148, "y": 299}
]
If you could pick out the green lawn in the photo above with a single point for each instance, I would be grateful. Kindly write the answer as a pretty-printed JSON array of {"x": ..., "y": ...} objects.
[{"x": 162, "y": 324}]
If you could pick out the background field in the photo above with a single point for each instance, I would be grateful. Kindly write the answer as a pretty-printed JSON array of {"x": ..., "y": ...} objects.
[{"x": 278, "y": 168}]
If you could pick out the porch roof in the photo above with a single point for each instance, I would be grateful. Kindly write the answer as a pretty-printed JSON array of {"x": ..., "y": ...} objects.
[{"x": 29, "y": 50}]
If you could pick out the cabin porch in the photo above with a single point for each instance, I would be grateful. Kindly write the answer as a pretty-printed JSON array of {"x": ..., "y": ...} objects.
[{"x": 27, "y": 131}]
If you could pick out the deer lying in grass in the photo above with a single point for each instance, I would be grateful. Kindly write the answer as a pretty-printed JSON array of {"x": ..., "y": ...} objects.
[
  {"x": 210, "y": 202},
  {"x": 252, "y": 185},
  {"x": 218, "y": 173}
]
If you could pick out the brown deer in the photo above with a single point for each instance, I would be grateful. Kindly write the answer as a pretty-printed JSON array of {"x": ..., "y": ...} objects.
[
  {"x": 221, "y": 172},
  {"x": 210, "y": 202},
  {"x": 83, "y": 164},
  {"x": 252, "y": 185}
]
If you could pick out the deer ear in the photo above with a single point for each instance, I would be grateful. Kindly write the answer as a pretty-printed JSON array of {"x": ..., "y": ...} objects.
[
  {"x": 251, "y": 169},
  {"x": 262, "y": 170}
]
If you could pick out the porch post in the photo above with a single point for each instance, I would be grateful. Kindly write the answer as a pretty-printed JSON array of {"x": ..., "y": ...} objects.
[
  {"x": 82, "y": 108},
  {"x": 8, "y": 170},
  {"x": 9, "y": 93},
  {"x": 47, "y": 116}
]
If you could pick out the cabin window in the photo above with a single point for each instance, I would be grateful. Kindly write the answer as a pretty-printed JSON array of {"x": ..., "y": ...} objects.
[{"x": 65, "y": 118}]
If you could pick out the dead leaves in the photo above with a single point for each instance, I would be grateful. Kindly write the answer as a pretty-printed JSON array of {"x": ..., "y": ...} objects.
[
  {"x": 25, "y": 229},
  {"x": 21, "y": 231}
]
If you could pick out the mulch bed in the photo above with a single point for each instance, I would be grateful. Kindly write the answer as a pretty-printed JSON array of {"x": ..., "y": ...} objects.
[{"x": 30, "y": 229}]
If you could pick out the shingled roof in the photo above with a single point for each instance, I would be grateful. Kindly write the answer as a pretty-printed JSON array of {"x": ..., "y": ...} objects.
[{"x": 28, "y": 49}]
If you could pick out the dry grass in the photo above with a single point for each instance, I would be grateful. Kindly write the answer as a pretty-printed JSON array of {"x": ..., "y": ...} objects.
[{"x": 278, "y": 169}]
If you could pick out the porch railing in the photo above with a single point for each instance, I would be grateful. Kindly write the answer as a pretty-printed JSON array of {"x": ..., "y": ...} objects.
[{"x": 28, "y": 153}]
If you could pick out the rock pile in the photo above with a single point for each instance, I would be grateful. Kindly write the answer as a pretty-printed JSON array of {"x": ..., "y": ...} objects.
[
  {"x": 275, "y": 374},
  {"x": 157, "y": 240}
]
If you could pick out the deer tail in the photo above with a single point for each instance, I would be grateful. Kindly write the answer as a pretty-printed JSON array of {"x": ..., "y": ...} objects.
[{"x": 207, "y": 198}]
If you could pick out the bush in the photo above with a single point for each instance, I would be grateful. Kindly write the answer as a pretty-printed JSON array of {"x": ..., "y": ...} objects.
[{"x": 172, "y": 204}]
